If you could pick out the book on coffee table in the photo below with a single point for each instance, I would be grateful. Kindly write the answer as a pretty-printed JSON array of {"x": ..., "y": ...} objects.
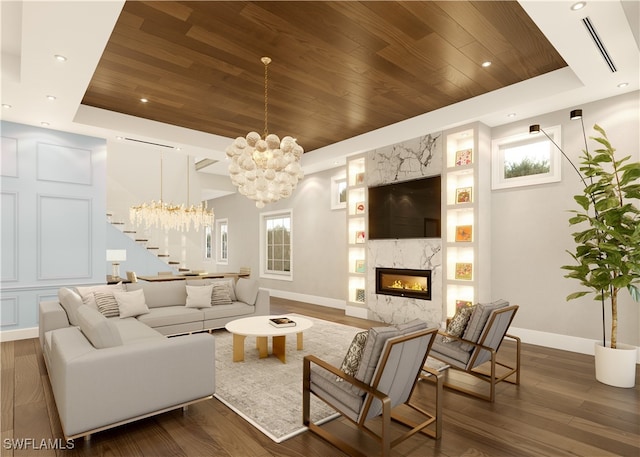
[{"x": 282, "y": 322}]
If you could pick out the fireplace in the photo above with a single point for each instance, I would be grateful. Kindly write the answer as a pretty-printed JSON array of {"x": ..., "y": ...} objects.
[{"x": 404, "y": 282}]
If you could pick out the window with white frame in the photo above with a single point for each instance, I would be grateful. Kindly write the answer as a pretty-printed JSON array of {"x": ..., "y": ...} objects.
[
  {"x": 208, "y": 243},
  {"x": 222, "y": 237},
  {"x": 275, "y": 245}
]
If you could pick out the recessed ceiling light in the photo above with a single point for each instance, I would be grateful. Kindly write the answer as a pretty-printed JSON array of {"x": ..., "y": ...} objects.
[
  {"x": 578, "y": 6},
  {"x": 60, "y": 58},
  {"x": 178, "y": 149},
  {"x": 144, "y": 100},
  {"x": 51, "y": 97},
  {"x": 511, "y": 115},
  {"x": 486, "y": 64},
  {"x": 119, "y": 138},
  {"x": 621, "y": 85},
  {"x": 6, "y": 105},
  {"x": 45, "y": 124}
]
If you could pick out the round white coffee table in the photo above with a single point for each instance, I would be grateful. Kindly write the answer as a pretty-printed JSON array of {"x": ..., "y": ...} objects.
[{"x": 260, "y": 327}]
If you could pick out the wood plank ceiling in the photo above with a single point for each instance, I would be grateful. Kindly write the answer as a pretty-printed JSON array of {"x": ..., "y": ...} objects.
[{"x": 339, "y": 68}]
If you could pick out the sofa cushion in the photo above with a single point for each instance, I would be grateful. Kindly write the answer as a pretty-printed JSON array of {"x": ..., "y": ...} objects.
[
  {"x": 247, "y": 290},
  {"x": 131, "y": 304},
  {"x": 220, "y": 294},
  {"x": 100, "y": 331},
  {"x": 107, "y": 304},
  {"x": 133, "y": 331},
  {"x": 221, "y": 311},
  {"x": 199, "y": 296},
  {"x": 458, "y": 323},
  {"x": 171, "y": 315},
  {"x": 86, "y": 292},
  {"x": 478, "y": 319},
  {"x": 70, "y": 301},
  {"x": 229, "y": 282},
  {"x": 160, "y": 294}
]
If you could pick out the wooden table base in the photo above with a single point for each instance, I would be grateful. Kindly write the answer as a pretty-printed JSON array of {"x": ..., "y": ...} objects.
[{"x": 279, "y": 346}]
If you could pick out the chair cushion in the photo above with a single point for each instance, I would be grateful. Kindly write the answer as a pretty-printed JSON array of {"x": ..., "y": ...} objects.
[
  {"x": 458, "y": 323},
  {"x": 352, "y": 359},
  {"x": 247, "y": 290},
  {"x": 451, "y": 353},
  {"x": 70, "y": 301},
  {"x": 324, "y": 384},
  {"x": 477, "y": 321},
  {"x": 100, "y": 331},
  {"x": 131, "y": 304},
  {"x": 376, "y": 338},
  {"x": 199, "y": 296}
]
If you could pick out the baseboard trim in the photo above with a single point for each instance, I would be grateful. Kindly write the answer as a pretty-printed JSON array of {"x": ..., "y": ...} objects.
[
  {"x": 19, "y": 334},
  {"x": 312, "y": 299},
  {"x": 557, "y": 341}
]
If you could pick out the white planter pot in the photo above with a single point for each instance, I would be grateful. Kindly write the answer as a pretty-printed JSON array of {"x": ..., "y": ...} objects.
[{"x": 616, "y": 367}]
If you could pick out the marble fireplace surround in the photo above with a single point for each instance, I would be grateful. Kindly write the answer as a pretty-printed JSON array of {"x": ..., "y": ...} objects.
[{"x": 411, "y": 159}]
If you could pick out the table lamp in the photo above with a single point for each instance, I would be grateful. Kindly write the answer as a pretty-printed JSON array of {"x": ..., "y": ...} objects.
[{"x": 115, "y": 256}]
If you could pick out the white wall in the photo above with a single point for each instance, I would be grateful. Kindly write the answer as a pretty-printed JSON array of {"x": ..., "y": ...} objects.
[
  {"x": 531, "y": 232},
  {"x": 319, "y": 240},
  {"x": 53, "y": 220}
]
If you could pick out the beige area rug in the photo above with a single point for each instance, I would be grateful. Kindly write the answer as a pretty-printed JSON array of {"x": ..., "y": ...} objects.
[{"x": 268, "y": 393}]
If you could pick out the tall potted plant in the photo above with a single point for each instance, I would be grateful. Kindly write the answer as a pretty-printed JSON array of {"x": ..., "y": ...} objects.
[{"x": 607, "y": 251}]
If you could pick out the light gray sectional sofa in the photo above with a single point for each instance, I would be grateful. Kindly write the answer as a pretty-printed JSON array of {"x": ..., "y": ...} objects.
[{"x": 110, "y": 361}]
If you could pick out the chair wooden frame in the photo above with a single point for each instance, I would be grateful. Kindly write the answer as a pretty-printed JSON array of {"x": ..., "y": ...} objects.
[
  {"x": 372, "y": 392},
  {"x": 471, "y": 367}
]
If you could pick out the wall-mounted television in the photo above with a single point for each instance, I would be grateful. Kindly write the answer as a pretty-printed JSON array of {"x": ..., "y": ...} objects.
[{"x": 409, "y": 209}]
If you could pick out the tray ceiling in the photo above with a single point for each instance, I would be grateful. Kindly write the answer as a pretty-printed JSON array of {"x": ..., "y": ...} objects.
[{"x": 339, "y": 69}]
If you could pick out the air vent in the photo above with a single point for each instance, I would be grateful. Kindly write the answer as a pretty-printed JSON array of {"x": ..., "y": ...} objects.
[
  {"x": 149, "y": 142},
  {"x": 599, "y": 44}
]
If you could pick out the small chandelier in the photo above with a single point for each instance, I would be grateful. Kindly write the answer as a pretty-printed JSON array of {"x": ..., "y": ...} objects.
[
  {"x": 168, "y": 216},
  {"x": 263, "y": 168}
]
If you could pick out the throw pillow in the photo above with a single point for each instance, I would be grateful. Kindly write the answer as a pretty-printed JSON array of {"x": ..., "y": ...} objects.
[
  {"x": 199, "y": 296},
  {"x": 70, "y": 301},
  {"x": 107, "y": 304},
  {"x": 220, "y": 295},
  {"x": 100, "y": 331},
  {"x": 247, "y": 290},
  {"x": 86, "y": 292},
  {"x": 131, "y": 304},
  {"x": 352, "y": 359},
  {"x": 458, "y": 323}
]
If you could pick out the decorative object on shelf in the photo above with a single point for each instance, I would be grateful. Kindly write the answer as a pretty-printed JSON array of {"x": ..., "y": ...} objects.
[
  {"x": 360, "y": 295},
  {"x": 360, "y": 266},
  {"x": 463, "y": 195},
  {"x": 360, "y": 208},
  {"x": 168, "y": 216},
  {"x": 265, "y": 169},
  {"x": 464, "y": 157},
  {"x": 359, "y": 178},
  {"x": 607, "y": 250},
  {"x": 464, "y": 233},
  {"x": 464, "y": 271},
  {"x": 115, "y": 256},
  {"x": 360, "y": 236}
]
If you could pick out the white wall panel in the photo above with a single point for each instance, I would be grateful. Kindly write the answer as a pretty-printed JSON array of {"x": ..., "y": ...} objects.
[
  {"x": 64, "y": 164},
  {"x": 9, "y": 158},
  {"x": 8, "y": 311},
  {"x": 64, "y": 237},
  {"x": 9, "y": 236}
]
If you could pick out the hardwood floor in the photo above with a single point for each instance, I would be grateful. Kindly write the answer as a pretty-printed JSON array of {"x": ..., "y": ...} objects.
[{"x": 558, "y": 410}]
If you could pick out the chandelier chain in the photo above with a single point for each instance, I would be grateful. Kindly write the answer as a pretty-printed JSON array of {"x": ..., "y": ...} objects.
[{"x": 266, "y": 61}]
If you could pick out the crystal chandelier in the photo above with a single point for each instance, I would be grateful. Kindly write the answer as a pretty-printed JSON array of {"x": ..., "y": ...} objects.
[
  {"x": 168, "y": 216},
  {"x": 263, "y": 168}
]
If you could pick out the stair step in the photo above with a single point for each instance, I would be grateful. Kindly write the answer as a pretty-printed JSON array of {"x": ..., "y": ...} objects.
[
  {"x": 152, "y": 247},
  {"x": 141, "y": 240},
  {"x": 173, "y": 262},
  {"x": 128, "y": 231},
  {"x": 183, "y": 269},
  {"x": 164, "y": 255}
]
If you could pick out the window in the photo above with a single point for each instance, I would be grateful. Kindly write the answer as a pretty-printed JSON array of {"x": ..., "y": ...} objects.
[
  {"x": 222, "y": 237},
  {"x": 339, "y": 192},
  {"x": 207, "y": 243},
  {"x": 524, "y": 160},
  {"x": 276, "y": 241}
]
